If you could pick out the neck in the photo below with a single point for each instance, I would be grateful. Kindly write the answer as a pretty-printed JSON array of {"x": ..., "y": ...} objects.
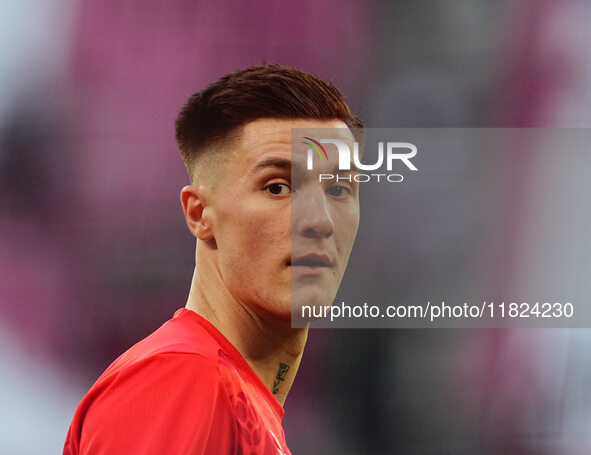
[{"x": 270, "y": 346}]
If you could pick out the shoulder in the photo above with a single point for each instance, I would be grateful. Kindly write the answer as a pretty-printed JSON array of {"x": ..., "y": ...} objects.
[
  {"x": 180, "y": 359},
  {"x": 186, "y": 333},
  {"x": 152, "y": 403},
  {"x": 168, "y": 381}
]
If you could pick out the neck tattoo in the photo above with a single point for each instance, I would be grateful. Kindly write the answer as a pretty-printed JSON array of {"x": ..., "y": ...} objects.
[{"x": 283, "y": 369}]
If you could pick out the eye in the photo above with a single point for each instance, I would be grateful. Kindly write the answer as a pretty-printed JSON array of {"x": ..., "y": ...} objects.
[
  {"x": 339, "y": 191},
  {"x": 278, "y": 188}
]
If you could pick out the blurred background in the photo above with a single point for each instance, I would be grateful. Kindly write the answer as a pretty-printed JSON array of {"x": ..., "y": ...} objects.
[{"x": 94, "y": 253}]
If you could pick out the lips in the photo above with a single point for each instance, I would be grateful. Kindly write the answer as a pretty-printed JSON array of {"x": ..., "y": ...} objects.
[{"x": 311, "y": 260}]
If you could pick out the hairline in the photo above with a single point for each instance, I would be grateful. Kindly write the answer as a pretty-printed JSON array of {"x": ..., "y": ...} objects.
[{"x": 233, "y": 137}]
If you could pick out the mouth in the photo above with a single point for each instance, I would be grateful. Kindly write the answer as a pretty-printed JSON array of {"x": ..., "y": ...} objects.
[{"x": 310, "y": 264}]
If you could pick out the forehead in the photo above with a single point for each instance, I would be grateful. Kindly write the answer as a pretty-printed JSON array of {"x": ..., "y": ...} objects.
[{"x": 266, "y": 136}]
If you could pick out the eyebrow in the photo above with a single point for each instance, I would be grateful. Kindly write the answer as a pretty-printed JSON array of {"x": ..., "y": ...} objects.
[
  {"x": 280, "y": 163},
  {"x": 353, "y": 169}
]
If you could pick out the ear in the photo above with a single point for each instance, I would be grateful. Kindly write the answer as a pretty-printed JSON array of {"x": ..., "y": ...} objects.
[{"x": 194, "y": 207}]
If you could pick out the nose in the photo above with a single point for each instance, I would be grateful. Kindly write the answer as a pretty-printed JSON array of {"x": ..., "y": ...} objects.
[{"x": 311, "y": 215}]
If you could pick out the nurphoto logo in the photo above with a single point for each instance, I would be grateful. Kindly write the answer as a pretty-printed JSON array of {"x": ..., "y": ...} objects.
[{"x": 392, "y": 154}]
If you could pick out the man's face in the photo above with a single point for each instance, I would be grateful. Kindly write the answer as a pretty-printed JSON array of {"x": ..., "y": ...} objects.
[{"x": 262, "y": 249}]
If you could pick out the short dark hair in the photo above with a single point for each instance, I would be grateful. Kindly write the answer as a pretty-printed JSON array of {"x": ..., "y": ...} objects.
[{"x": 264, "y": 91}]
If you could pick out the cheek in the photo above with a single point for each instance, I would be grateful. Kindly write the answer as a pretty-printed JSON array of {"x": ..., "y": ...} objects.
[
  {"x": 251, "y": 237},
  {"x": 348, "y": 222},
  {"x": 271, "y": 241},
  {"x": 253, "y": 250}
]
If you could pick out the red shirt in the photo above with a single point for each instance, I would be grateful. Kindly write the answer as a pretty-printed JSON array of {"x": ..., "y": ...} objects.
[{"x": 182, "y": 390}]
